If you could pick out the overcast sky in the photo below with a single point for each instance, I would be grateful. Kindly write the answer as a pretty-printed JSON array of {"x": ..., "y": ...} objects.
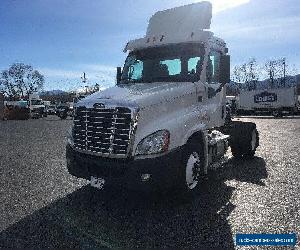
[{"x": 64, "y": 38}]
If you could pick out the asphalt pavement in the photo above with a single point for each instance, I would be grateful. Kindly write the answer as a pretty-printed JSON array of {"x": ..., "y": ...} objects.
[{"x": 41, "y": 205}]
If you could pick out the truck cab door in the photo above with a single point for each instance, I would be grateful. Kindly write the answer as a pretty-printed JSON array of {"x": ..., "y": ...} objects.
[{"x": 214, "y": 99}]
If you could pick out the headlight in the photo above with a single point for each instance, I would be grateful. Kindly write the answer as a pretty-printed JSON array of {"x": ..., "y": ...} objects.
[
  {"x": 157, "y": 142},
  {"x": 70, "y": 136}
]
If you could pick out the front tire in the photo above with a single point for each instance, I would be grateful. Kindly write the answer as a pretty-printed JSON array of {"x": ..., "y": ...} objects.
[
  {"x": 191, "y": 170},
  {"x": 192, "y": 167}
]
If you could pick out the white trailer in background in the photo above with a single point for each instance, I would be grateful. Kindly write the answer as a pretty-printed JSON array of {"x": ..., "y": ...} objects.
[{"x": 272, "y": 101}]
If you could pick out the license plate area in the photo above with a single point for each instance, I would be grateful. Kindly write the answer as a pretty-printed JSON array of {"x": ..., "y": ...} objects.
[{"x": 107, "y": 171}]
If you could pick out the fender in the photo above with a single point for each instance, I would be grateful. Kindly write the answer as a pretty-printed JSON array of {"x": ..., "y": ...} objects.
[
  {"x": 180, "y": 134},
  {"x": 201, "y": 129}
]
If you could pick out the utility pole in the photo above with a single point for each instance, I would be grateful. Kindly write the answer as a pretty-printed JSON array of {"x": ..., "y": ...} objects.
[
  {"x": 284, "y": 72},
  {"x": 271, "y": 78},
  {"x": 251, "y": 76},
  {"x": 84, "y": 79}
]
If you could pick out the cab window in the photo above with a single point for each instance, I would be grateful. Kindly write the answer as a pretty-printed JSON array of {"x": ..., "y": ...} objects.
[
  {"x": 194, "y": 65},
  {"x": 173, "y": 66}
]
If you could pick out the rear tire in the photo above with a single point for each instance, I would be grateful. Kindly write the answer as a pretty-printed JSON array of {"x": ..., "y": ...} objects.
[{"x": 244, "y": 140}]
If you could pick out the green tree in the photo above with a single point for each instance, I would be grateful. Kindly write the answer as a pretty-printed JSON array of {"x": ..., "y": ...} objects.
[
  {"x": 247, "y": 74},
  {"x": 20, "y": 80}
]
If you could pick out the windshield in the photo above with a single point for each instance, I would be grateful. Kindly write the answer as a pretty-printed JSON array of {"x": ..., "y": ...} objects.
[
  {"x": 36, "y": 102},
  {"x": 172, "y": 63}
]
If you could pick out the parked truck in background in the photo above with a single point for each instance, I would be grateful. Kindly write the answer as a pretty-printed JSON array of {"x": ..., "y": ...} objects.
[
  {"x": 64, "y": 110},
  {"x": 163, "y": 124},
  {"x": 51, "y": 109},
  {"x": 36, "y": 106},
  {"x": 277, "y": 102},
  {"x": 16, "y": 110}
]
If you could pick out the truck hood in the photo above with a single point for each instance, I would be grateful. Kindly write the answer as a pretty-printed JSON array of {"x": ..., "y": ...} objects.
[{"x": 139, "y": 95}]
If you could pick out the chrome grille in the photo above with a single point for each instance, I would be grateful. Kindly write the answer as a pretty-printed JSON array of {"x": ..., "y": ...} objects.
[{"x": 104, "y": 131}]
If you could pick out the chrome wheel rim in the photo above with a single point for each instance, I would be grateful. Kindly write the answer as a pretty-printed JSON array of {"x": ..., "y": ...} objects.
[{"x": 192, "y": 170}]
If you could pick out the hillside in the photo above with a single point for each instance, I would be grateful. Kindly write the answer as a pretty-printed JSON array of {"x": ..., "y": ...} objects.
[{"x": 290, "y": 81}]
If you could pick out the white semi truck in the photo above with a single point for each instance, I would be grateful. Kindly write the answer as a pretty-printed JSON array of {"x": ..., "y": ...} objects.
[
  {"x": 163, "y": 124},
  {"x": 278, "y": 101}
]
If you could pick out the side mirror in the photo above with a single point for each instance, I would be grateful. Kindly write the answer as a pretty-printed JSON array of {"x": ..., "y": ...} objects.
[
  {"x": 119, "y": 73},
  {"x": 224, "y": 69}
]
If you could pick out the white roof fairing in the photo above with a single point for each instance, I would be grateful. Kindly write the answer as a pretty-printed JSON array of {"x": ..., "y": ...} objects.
[
  {"x": 183, "y": 20},
  {"x": 176, "y": 25}
]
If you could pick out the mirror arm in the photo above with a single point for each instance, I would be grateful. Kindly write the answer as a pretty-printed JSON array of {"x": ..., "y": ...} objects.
[{"x": 220, "y": 88}]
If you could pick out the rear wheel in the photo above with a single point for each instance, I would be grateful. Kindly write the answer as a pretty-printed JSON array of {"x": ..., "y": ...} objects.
[
  {"x": 244, "y": 140},
  {"x": 253, "y": 144}
]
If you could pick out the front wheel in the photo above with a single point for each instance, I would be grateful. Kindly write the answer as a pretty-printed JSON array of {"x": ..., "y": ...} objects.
[
  {"x": 192, "y": 170},
  {"x": 192, "y": 167}
]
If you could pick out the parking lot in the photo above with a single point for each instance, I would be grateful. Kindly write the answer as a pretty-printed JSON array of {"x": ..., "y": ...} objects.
[{"x": 43, "y": 206}]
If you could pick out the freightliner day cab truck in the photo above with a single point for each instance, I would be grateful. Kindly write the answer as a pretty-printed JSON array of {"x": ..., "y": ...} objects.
[{"x": 163, "y": 124}]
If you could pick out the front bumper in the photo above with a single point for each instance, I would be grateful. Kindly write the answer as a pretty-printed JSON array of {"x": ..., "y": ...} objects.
[{"x": 164, "y": 170}]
